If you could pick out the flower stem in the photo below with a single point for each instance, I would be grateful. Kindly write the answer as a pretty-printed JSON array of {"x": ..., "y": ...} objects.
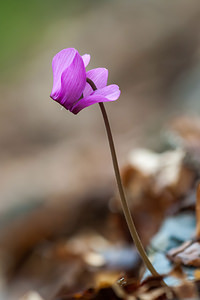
[
  {"x": 125, "y": 207},
  {"x": 124, "y": 203}
]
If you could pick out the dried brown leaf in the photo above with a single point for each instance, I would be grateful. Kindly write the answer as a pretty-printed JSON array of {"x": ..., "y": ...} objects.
[
  {"x": 187, "y": 254},
  {"x": 155, "y": 182},
  {"x": 186, "y": 290}
]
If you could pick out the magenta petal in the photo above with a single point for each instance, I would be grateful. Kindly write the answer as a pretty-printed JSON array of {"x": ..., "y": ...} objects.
[
  {"x": 73, "y": 80},
  {"x": 108, "y": 93},
  {"x": 86, "y": 59},
  {"x": 60, "y": 62},
  {"x": 99, "y": 76},
  {"x": 111, "y": 92}
]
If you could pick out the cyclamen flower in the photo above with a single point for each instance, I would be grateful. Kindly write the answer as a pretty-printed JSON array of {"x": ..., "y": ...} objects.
[{"x": 70, "y": 88}]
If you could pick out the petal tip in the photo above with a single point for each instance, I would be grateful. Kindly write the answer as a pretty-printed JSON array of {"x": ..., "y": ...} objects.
[{"x": 86, "y": 59}]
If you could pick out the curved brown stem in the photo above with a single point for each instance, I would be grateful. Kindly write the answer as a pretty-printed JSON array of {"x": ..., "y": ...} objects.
[{"x": 124, "y": 203}]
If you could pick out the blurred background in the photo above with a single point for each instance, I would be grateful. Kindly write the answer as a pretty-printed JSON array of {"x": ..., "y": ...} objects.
[{"x": 51, "y": 158}]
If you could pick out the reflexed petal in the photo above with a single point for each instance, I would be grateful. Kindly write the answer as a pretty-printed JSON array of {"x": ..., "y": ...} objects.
[
  {"x": 99, "y": 76},
  {"x": 111, "y": 92},
  {"x": 73, "y": 82},
  {"x": 61, "y": 62},
  {"x": 108, "y": 93},
  {"x": 86, "y": 59}
]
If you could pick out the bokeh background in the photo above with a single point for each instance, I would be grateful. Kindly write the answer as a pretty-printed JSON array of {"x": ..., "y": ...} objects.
[{"x": 48, "y": 156}]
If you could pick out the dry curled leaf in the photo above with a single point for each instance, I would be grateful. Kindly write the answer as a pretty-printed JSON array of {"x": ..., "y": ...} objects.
[
  {"x": 187, "y": 290},
  {"x": 188, "y": 254},
  {"x": 155, "y": 182},
  {"x": 163, "y": 171}
]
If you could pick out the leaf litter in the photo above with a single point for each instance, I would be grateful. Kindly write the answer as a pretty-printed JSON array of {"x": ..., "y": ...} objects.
[{"x": 101, "y": 263}]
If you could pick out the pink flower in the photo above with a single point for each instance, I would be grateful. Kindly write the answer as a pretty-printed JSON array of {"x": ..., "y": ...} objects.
[{"x": 70, "y": 88}]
